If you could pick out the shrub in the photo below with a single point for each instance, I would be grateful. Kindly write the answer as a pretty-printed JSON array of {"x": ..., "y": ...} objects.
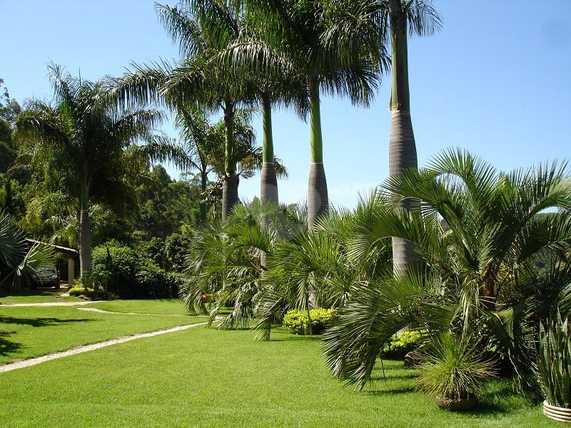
[
  {"x": 554, "y": 362},
  {"x": 85, "y": 288},
  {"x": 122, "y": 271},
  {"x": 155, "y": 283},
  {"x": 298, "y": 321},
  {"x": 401, "y": 344},
  {"x": 454, "y": 372}
]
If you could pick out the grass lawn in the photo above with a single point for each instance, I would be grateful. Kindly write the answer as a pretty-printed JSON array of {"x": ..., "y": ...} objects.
[
  {"x": 30, "y": 332},
  {"x": 35, "y": 296},
  {"x": 204, "y": 377},
  {"x": 156, "y": 307}
]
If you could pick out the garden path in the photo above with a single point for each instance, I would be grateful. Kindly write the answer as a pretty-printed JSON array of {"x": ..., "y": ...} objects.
[{"x": 93, "y": 347}]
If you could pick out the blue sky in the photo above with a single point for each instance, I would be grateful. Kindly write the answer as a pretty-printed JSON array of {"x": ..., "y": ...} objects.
[{"x": 495, "y": 80}]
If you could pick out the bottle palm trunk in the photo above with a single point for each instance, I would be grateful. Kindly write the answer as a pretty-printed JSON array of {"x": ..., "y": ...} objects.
[
  {"x": 230, "y": 183},
  {"x": 317, "y": 196},
  {"x": 268, "y": 180},
  {"x": 402, "y": 147}
]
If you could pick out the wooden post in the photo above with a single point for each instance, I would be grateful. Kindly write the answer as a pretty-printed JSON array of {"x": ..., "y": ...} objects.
[{"x": 70, "y": 270}]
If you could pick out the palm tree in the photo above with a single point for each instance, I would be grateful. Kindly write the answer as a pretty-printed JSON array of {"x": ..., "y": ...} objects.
[
  {"x": 477, "y": 232},
  {"x": 17, "y": 262},
  {"x": 86, "y": 134},
  {"x": 290, "y": 41},
  {"x": 374, "y": 24},
  {"x": 202, "y": 148},
  {"x": 202, "y": 29}
]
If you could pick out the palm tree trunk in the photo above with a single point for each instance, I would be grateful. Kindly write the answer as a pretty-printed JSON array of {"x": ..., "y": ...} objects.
[
  {"x": 268, "y": 180},
  {"x": 317, "y": 197},
  {"x": 402, "y": 148},
  {"x": 203, "y": 206},
  {"x": 84, "y": 233},
  {"x": 230, "y": 184}
]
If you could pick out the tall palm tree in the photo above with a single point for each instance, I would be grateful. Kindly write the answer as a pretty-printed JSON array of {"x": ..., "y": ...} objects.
[
  {"x": 420, "y": 18},
  {"x": 374, "y": 24},
  {"x": 291, "y": 42},
  {"x": 202, "y": 28},
  {"x": 86, "y": 134}
]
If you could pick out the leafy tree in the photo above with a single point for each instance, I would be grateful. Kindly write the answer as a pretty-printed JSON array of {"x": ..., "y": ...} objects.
[{"x": 86, "y": 134}]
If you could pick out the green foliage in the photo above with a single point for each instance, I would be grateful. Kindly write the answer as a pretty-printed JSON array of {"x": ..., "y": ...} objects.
[
  {"x": 554, "y": 361},
  {"x": 299, "y": 322},
  {"x": 454, "y": 369},
  {"x": 479, "y": 236},
  {"x": 19, "y": 261},
  {"x": 402, "y": 343},
  {"x": 119, "y": 270}
]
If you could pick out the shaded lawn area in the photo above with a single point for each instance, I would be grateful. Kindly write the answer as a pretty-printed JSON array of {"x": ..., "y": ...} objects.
[
  {"x": 30, "y": 332},
  {"x": 204, "y": 377},
  {"x": 36, "y": 296}
]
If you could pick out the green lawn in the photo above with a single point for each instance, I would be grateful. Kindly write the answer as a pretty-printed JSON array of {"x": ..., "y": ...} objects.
[
  {"x": 158, "y": 307},
  {"x": 204, "y": 377},
  {"x": 29, "y": 332},
  {"x": 36, "y": 296}
]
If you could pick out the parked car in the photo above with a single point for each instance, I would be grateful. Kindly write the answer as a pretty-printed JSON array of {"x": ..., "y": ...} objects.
[{"x": 47, "y": 277}]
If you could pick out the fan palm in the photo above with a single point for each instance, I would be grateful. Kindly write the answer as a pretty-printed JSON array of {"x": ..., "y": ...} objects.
[
  {"x": 18, "y": 263},
  {"x": 86, "y": 134},
  {"x": 476, "y": 233},
  {"x": 375, "y": 24},
  {"x": 289, "y": 42}
]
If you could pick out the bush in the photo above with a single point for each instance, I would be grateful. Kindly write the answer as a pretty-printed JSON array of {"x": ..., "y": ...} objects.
[
  {"x": 454, "y": 372},
  {"x": 298, "y": 322},
  {"x": 401, "y": 344},
  {"x": 121, "y": 271},
  {"x": 85, "y": 288}
]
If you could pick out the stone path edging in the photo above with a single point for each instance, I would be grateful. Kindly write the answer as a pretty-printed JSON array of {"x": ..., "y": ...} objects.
[{"x": 92, "y": 347}]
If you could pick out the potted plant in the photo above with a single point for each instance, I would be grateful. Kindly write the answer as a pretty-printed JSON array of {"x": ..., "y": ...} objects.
[
  {"x": 453, "y": 372},
  {"x": 554, "y": 368}
]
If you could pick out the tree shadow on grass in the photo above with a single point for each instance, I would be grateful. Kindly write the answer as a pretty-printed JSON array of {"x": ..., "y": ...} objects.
[
  {"x": 384, "y": 391},
  {"x": 40, "y": 322},
  {"x": 7, "y": 346}
]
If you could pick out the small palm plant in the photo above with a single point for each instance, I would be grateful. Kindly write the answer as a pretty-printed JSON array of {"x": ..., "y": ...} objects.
[
  {"x": 554, "y": 366},
  {"x": 18, "y": 264},
  {"x": 454, "y": 372}
]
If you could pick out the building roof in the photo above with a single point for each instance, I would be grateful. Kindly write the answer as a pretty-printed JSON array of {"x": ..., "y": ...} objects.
[{"x": 58, "y": 248}]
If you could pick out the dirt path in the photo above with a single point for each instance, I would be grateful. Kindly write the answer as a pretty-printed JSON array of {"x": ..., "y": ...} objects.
[
  {"x": 92, "y": 347},
  {"x": 48, "y": 304}
]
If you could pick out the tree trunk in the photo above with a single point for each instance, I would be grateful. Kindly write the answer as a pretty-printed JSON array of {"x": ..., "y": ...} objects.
[
  {"x": 229, "y": 195},
  {"x": 268, "y": 180},
  {"x": 317, "y": 197},
  {"x": 402, "y": 148},
  {"x": 230, "y": 185},
  {"x": 84, "y": 234},
  {"x": 203, "y": 202}
]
